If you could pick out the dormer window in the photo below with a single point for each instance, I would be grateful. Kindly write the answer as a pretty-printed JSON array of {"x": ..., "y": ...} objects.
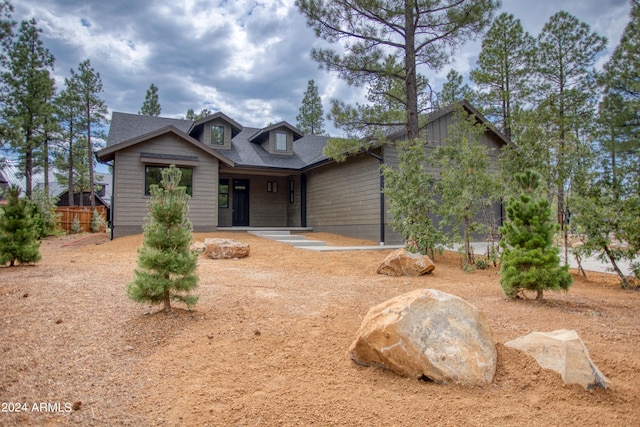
[
  {"x": 281, "y": 141},
  {"x": 217, "y": 135}
]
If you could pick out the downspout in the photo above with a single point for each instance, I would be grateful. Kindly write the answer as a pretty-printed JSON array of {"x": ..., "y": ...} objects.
[{"x": 381, "y": 160}]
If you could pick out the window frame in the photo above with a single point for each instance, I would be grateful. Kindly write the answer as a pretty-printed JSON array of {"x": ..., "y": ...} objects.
[
  {"x": 213, "y": 127},
  {"x": 223, "y": 182},
  {"x": 286, "y": 142}
]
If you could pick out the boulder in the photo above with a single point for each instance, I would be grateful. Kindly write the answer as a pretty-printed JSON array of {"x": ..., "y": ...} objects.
[
  {"x": 217, "y": 248},
  {"x": 404, "y": 263},
  {"x": 564, "y": 352},
  {"x": 197, "y": 247},
  {"x": 428, "y": 334}
]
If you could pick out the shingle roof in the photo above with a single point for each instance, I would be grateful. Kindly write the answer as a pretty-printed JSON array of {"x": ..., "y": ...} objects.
[
  {"x": 307, "y": 150},
  {"x": 126, "y": 126}
]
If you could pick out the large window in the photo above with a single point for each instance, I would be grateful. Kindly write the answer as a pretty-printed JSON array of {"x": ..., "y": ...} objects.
[
  {"x": 223, "y": 193},
  {"x": 281, "y": 141},
  {"x": 217, "y": 135},
  {"x": 153, "y": 175}
]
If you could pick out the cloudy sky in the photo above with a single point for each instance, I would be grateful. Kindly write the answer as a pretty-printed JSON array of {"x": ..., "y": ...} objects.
[{"x": 247, "y": 58}]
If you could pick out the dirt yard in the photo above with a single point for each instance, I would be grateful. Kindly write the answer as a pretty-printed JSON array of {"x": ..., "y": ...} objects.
[{"x": 267, "y": 344}]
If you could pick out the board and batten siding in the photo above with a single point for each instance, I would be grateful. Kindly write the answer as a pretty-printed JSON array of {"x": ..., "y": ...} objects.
[
  {"x": 130, "y": 202},
  {"x": 344, "y": 198},
  {"x": 437, "y": 132}
]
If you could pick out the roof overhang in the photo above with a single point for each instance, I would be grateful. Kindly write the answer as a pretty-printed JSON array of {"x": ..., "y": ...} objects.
[{"x": 108, "y": 153}]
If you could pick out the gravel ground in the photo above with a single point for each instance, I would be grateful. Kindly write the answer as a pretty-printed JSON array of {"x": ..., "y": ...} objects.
[{"x": 267, "y": 344}]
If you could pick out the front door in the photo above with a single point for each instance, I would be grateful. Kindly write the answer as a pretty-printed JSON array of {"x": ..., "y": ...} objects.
[{"x": 240, "y": 203}]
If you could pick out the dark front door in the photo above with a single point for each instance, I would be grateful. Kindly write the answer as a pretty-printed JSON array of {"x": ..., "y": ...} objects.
[{"x": 240, "y": 202}]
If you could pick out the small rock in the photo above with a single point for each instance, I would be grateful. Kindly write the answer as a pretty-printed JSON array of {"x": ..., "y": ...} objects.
[{"x": 127, "y": 348}]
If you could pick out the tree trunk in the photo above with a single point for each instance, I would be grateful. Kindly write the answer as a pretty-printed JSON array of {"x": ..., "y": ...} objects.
[
  {"x": 467, "y": 244},
  {"x": 90, "y": 158},
  {"x": 411, "y": 84},
  {"x": 71, "y": 188},
  {"x": 625, "y": 283},
  {"x": 167, "y": 301},
  {"x": 539, "y": 295}
]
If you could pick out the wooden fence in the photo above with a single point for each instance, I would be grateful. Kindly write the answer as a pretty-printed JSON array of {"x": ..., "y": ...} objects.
[{"x": 68, "y": 214}]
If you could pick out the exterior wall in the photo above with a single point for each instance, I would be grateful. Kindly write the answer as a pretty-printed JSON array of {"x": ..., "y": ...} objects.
[
  {"x": 344, "y": 198},
  {"x": 437, "y": 133},
  {"x": 270, "y": 142},
  {"x": 206, "y": 136},
  {"x": 130, "y": 202},
  {"x": 266, "y": 209}
]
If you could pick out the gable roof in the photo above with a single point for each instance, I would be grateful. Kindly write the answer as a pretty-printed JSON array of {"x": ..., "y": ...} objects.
[
  {"x": 108, "y": 153},
  {"x": 264, "y": 132},
  {"x": 130, "y": 129},
  {"x": 245, "y": 151},
  {"x": 237, "y": 127}
]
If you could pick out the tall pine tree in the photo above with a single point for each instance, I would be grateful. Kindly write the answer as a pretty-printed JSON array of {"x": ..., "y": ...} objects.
[
  {"x": 504, "y": 70},
  {"x": 167, "y": 267},
  {"x": 310, "y": 120},
  {"x": 151, "y": 104},
  {"x": 392, "y": 40},
  {"x": 530, "y": 261},
  {"x": 27, "y": 108},
  {"x": 87, "y": 85}
]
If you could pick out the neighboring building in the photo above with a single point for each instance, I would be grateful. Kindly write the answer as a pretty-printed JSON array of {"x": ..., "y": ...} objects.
[
  {"x": 8, "y": 178},
  {"x": 247, "y": 177}
]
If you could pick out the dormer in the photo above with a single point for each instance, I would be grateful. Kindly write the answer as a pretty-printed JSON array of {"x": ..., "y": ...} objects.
[
  {"x": 216, "y": 130},
  {"x": 277, "y": 138}
]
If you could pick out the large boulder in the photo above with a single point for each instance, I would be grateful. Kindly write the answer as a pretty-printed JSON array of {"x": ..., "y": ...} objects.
[
  {"x": 217, "y": 248},
  {"x": 404, "y": 263},
  {"x": 563, "y": 352},
  {"x": 428, "y": 334}
]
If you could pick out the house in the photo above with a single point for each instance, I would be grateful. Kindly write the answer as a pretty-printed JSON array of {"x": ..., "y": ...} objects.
[
  {"x": 8, "y": 178},
  {"x": 240, "y": 177}
]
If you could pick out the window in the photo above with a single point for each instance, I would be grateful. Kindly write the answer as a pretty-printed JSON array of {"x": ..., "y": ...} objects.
[
  {"x": 281, "y": 141},
  {"x": 291, "y": 191},
  {"x": 217, "y": 135},
  {"x": 272, "y": 186},
  {"x": 153, "y": 175},
  {"x": 223, "y": 193}
]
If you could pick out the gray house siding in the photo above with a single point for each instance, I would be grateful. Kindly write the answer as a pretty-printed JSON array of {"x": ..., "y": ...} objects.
[
  {"x": 266, "y": 208},
  {"x": 436, "y": 134},
  {"x": 130, "y": 204},
  {"x": 344, "y": 198}
]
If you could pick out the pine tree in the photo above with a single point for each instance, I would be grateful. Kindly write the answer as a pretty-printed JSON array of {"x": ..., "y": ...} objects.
[
  {"x": 530, "y": 261},
  {"x": 453, "y": 90},
  {"x": 310, "y": 120},
  {"x": 504, "y": 70},
  {"x": 167, "y": 267},
  {"x": 390, "y": 40},
  {"x": 27, "y": 110},
  {"x": 87, "y": 84},
  {"x": 151, "y": 105},
  {"x": 18, "y": 231},
  {"x": 565, "y": 57}
]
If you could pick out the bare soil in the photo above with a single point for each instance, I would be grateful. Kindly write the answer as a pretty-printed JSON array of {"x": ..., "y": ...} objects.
[{"x": 267, "y": 344}]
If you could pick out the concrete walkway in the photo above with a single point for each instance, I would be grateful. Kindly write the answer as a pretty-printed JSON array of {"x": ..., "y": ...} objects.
[{"x": 479, "y": 248}]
